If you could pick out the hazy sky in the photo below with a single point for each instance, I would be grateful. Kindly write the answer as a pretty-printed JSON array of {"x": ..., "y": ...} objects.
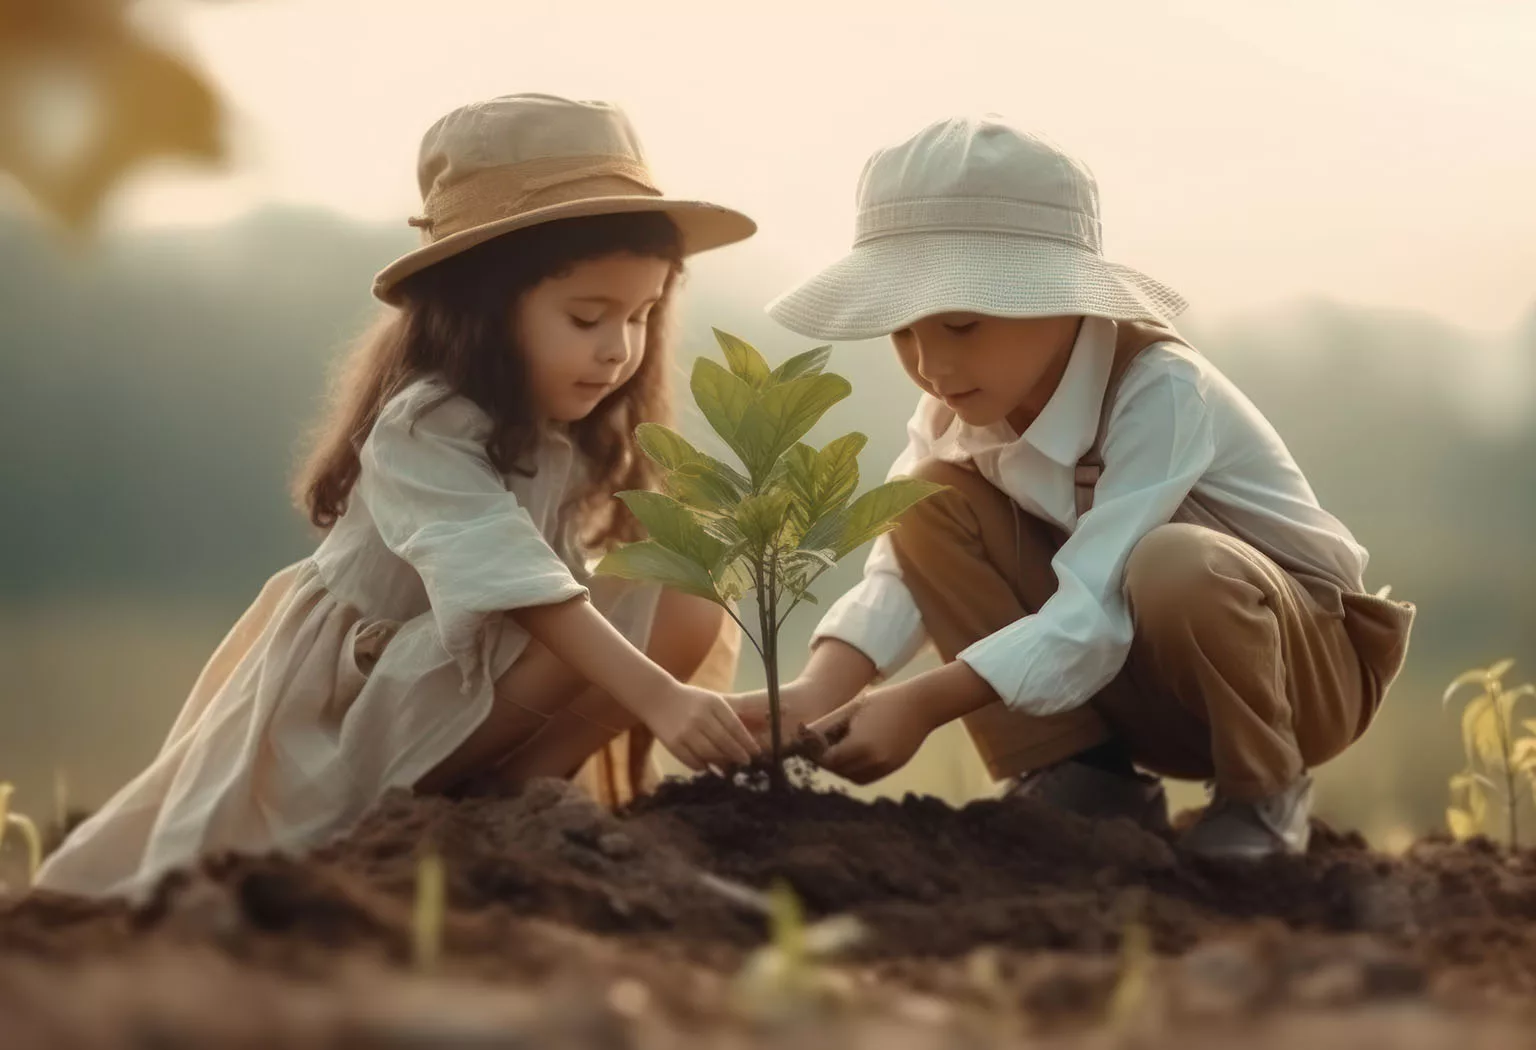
[{"x": 1376, "y": 151}]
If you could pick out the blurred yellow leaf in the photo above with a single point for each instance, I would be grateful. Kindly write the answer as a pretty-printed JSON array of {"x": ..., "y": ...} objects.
[
  {"x": 1477, "y": 806},
  {"x": 139, "y": 102},
  {"x": 1461, "y": 823},
  {"x": 1480, "y": 733},
  {"x": 1473, "y": 677},
  {"x": 1499, "y": 670},
  {"x": 24, "y": 827}
]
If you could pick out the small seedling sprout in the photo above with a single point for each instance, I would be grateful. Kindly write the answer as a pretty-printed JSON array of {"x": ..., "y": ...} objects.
[
  {"x": 25, "y": 828},
  {"x": 789, "y": 975},
  {"x": 429, "y": 912},
  {"x": 1498, "y": 751}
]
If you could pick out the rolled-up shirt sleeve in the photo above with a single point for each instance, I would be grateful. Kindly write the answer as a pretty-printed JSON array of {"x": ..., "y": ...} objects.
[
  {"x": 1160, "y": 443},
  {"x": 440, "y": 504}
]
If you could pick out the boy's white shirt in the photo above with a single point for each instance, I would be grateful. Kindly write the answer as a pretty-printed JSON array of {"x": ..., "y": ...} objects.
[{"x": 1177, "y": 426}]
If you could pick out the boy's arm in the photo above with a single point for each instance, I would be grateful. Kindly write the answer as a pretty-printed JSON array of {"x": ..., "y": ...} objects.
[{"x": 1160, "y": 444}]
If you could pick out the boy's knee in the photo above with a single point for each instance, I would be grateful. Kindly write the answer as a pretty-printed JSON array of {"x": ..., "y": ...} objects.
[
  {"x": 965, "y": 497},
  {"x": 1184, "y": 576}
]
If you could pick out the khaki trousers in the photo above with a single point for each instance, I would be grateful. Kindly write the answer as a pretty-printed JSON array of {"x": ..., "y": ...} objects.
[{"x": 1236, "y": 672}]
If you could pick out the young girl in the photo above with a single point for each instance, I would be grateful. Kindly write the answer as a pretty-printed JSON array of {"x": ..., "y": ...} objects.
[
  {"x": 448, "y": 625},
  {"x": 1127, "y": 568}
]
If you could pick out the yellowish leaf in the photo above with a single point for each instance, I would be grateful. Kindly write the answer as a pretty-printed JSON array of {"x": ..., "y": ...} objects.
[
  {"x": 1461, "y": 824},
  {"x": 1480, "y": 734},
  {"x": 1477, "y": 807},
  {"x": 1499, "y": 670},
  {"x": 1524, "y": 751},
  {"x": 1474, "y": 677}
]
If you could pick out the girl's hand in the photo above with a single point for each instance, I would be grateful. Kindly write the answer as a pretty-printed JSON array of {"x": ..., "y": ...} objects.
[
  {"x": 799, "y": 701},
  {"x": 700, "y": 728}
]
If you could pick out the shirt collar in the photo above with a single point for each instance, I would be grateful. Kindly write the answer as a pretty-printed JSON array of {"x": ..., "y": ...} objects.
[{"x": 1066, "y": 426}]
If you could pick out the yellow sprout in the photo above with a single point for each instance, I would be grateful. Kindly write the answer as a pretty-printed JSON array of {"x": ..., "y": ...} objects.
[
  {"x": 1136, "y": 958},
  {"x": 431, "y": 904},
  {"x": 27, "y": 829},
  {"x": 1497, "y": 750},
  {"x": 788, "y": 975}
]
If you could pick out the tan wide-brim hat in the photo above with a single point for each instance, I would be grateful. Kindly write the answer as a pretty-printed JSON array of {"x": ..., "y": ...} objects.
[
  {"x": 492, "y": 167},
  {"x": 978, "y": 215}
]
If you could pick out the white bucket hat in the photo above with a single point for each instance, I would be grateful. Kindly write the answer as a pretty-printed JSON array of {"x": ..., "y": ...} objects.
[
  {"x": 492, "y": 167},
  {"x": 975, "y": 215}
]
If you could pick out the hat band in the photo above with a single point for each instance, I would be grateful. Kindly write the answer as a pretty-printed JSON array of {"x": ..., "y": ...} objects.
[
  {"x": 989, "y": 214},
  {"x": 493, "y": 194}
]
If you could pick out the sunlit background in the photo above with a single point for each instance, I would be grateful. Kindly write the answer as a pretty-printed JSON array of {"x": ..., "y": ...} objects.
[{"x": 1342, "y": 189}]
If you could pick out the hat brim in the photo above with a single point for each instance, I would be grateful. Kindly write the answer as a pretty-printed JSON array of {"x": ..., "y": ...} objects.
[
  {"x": 886, "y": 284},
  {"x": 703, "y": 226}
]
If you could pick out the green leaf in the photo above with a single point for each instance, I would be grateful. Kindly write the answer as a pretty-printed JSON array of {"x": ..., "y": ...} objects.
[
  {"x": 733, "y": 578},
  {"x": 674, "y": 526},
  {"x": 671, "y": 450},
  {"x": 665, "y": 446},
  {"x": 800, "y": 474},
  {"x": 809, "y": 363},
  {"x": 837, "y": 472},
  {"x": 702, "y": 487},
  {"x": 650, "y": 561},
  {"x": 761, "y": 518},
  {"x": 723, "y": 528},
  {"x": 742, "y": 357},
  {"x": 781, "y": 416},
  {"x": 876, "y": 511},
  {"x": 724, "y": 399},
  {"x": 800, "y": 568}
]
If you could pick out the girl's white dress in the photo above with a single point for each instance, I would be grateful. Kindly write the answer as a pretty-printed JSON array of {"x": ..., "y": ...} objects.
[{"x": 362, "y": 667}]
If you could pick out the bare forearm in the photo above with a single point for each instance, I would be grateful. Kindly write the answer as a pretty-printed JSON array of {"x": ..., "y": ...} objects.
[
  {"x": 834, "y": 675},
  {"x": 949, "y": 692},
  {"x": 583, "y": 639}
]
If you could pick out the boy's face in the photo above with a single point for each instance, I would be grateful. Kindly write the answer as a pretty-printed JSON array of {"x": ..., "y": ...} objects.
[{"x": 988, "y": 369}]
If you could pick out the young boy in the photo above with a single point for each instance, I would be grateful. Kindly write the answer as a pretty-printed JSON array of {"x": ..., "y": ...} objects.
[{"x": 1127, "y": 568}]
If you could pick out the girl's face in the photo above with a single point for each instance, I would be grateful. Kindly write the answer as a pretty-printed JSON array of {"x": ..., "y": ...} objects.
[
  {"x": 583, "y": 332},
  {"x": 988, "y": 369}
]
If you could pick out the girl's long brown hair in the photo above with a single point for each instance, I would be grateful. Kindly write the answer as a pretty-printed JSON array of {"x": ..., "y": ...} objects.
[{"x": 457, "y": 323}]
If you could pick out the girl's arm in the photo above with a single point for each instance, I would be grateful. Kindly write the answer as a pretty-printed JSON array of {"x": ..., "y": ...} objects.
[
  {"x": 696, "y": 725},
  {"x": 440, "y": 505}
]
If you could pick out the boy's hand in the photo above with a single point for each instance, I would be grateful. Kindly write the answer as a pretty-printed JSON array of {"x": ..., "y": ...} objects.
[{"x": 885, "y": 729}]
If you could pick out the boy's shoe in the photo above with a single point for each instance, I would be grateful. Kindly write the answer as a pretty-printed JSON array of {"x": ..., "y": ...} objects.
[
  {"x": 1233, "y": 830},
  {"x": 1097, "y": 793}
]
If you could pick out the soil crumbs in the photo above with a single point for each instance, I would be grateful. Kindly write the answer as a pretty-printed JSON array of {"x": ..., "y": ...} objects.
[{"x": 1002, "y": 923}]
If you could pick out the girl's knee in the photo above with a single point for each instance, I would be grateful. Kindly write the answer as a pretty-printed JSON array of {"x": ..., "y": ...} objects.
[{"x": 683, "y": 633}]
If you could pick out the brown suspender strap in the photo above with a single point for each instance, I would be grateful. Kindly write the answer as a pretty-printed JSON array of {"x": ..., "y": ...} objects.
[{"x": 1131, "y": 338}]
